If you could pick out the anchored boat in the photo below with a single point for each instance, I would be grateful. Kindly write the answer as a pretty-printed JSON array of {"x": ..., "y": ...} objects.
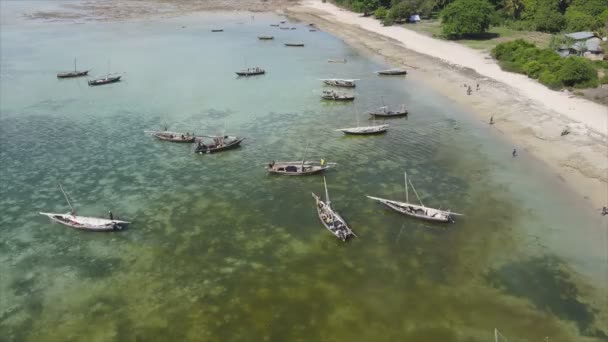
[
  {"x": 337, "y": 82},
  {"x": 265, "y": 37},
  {"x": 343, "y": 60},
  {"x": 294, "y": 44},
  {"x": 104, "y": 80},
  {"x": 386, "y": 112},
  {"x": 298, "y": 168},
  {"x": 392, "y": 72},
  {"x": 417, "y": 210},
  {"x": 83, "y": 222},
  {"x": 335, "y": 96},
  {"x": 364, "y": 130},
  {"x": 251, "y": 72},
  {"x": 72, "y": 74},
  {"x": 216, "y": 143},
  {"x": 176, "y": 137},
  {"x": 330, "y": 218}
]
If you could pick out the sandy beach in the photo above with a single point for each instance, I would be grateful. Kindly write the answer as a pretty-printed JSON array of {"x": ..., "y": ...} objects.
[{"x": 525, "y": 112}]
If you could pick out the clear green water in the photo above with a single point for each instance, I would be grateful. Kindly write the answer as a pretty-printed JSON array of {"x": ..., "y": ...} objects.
[{"x": 218, "y": 250}]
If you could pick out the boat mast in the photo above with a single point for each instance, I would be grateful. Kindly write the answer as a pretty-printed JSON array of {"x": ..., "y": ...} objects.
[
  {"x": 406, "y": 195},
  {"x": 304, "y": 156},
  {"x": 67, "y": 199},
  {"x": 74, "y": 64},
  {"x": 326, "y": 192},
  {"x": 419, "y": 200},
  {"x": 383, "y": 105}
]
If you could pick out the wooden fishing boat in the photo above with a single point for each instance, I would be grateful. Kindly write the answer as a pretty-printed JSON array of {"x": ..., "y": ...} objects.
[
  {"x": 284, "y": 28},
  {"x": 330, "y": 218},
  {"x": 265, "y": 37},
  {"x": 334, "y": 96},
  {"x": 336, "y": 82},
  {"x": 312, "y": 30},
  {"x": 294, "y": 44},
  {"x": 104, "y": 80},
  {"x": 417, "y": 210},
  {"x": 293, "y": 28},
  {"x": 298, "y": 168},
  {"x": 216, "y": 143},
  {"x": 251, "y": 72},
  {"x": 364, "y": 130},
  {"x": 392, "y": 72},
  {"x": 343, "y": 60},
  {"x": 84, "y": 222},
  {"x": 274, "y": 25},
  {"x": 176, "y": 137},
  {"x": 283, "y": 22},
  {"x": 385, "y": 112},
  {"x": 72, "y": 74},
  {"x": 217, "y": 30}
]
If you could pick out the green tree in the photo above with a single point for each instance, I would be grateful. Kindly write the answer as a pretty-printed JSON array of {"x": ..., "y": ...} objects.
[
  {"x": 577, "y": 71},
  {"x": 513, "y": 8},
  {"x": 466, "y": 17},
  {"x": 547, "y": 17},
  {"x": 380, "y": 13}
]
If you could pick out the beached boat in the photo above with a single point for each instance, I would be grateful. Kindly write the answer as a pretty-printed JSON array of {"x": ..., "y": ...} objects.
[
  {"x": 176, "y": 137},
  {"x": 330, "y": 218},
  {"x": 336, "y": 82},
  {"x": 72, "y": 74},
  {"x": 343, "y": 60},
  {"x": 392, "y": 72},
  {"x": 251, "y": 72},
  {"x": 217, "y": 30},
  {"x": 335, "y": 96},
  {"x": 298, "y": 168},
  {"x": 417, "y": 210},
  {"x": 294, "y": 44},
  {"x": 216, "y": 143},
  {"x": 104, "y": 80},
  {"x": 265, "y": 37},
  {"x": 84, "y": 222}
]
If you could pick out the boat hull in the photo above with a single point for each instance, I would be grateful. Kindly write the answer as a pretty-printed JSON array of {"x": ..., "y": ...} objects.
[
  {"x": 207, "y": 150},
  {"x": 296, "y": 169},
  {"x": 86, "y": 223},
  {"x": 389, "y": 114},
  {"x": 72, "y": 74},
  {"x": 373, "y": 130},
  {"x": 392, "y": 73},
  {"x": 102, "y": 81},
  {"x": 247, "y": 74},
  {"x": 332, "y": 221},
  {"x": 417, "y": 211},
  {"x": 294, "y": 45},
  {"x": 175, "y": 137}
]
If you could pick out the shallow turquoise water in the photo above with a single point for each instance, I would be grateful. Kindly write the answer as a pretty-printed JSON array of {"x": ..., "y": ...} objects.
[{"x": 220, "y": 251}]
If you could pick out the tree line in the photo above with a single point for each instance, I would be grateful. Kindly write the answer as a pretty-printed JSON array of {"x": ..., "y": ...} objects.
[{"x": 464, "y": 18}]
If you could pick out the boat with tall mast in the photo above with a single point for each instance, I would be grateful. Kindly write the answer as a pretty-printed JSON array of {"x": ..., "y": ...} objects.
[
  {"x": 335, "y": 96},
  {"x": 364, "y": 130},
  {"x": 83, "y": 222},
  {"x": 417, "y": 210},
  {"x": 107, "y": 79},
  {"x": 72, "y": 74},
  {"x": 212, "y": 144},
  {"x": 330, "y": 218}
]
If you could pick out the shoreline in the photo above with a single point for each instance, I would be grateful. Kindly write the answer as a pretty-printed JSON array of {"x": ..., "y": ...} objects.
[{"x": 579, "y": 160}]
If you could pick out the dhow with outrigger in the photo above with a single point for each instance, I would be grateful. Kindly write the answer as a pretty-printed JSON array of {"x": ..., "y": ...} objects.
[
  {"x": 83, "y": 222},
  {"x": 417, "y": 210}
]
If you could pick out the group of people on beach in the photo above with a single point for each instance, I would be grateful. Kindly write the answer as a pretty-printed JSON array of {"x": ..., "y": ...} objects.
[{"x": 470, "y": 90}]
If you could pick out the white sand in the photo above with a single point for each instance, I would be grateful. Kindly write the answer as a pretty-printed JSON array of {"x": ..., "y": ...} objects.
[{"x": 594, "y": 115}]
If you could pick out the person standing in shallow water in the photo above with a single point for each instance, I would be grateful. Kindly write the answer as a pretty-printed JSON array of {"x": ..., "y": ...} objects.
[{"x": 514, "y": 153}]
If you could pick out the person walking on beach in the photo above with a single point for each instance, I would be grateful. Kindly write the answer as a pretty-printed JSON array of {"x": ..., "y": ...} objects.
[
  {"x": 477, "y": 86},
  {"x": 514, "y": 153},
  {"x": 469, "y": 90},
  {"x": 491, "y": 120}
]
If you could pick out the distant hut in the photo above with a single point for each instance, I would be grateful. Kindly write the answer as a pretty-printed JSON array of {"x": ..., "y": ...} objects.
[{"x": 584, "y": 44}]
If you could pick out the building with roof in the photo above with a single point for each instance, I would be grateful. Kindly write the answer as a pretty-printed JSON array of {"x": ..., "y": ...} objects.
[{"x": 584, "y": 43}]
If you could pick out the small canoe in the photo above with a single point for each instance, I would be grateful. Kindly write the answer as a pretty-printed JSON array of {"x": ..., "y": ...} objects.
[
  {"x": 72, "y": 74},
  {"x": 293, "y": 28},
  {"x": 312, "y": 30},
  {"x": 294, "y": 44},
  {"x": 217, "y": 30},
  {"x": 274, "y": 25},
  {"x": 265, "y": 37},
  {"x": 104, "y": 80},
  {"x": 297, "y": 168},
  {"x": 392, "y": 72},
  {"x": 364, "y": 130},
  {"x": 86, "y": 223},
  {"x": 284, "y": 28},
  {"x": 337, "y": 60},
  {"x": 219, "y": 144}
]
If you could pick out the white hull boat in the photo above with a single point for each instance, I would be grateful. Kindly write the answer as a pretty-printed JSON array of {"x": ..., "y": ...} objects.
[
  {"x": 86, "y": 223},
  {"x": 331, "y": 219},
  {"x": 364, "y": 130}
]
